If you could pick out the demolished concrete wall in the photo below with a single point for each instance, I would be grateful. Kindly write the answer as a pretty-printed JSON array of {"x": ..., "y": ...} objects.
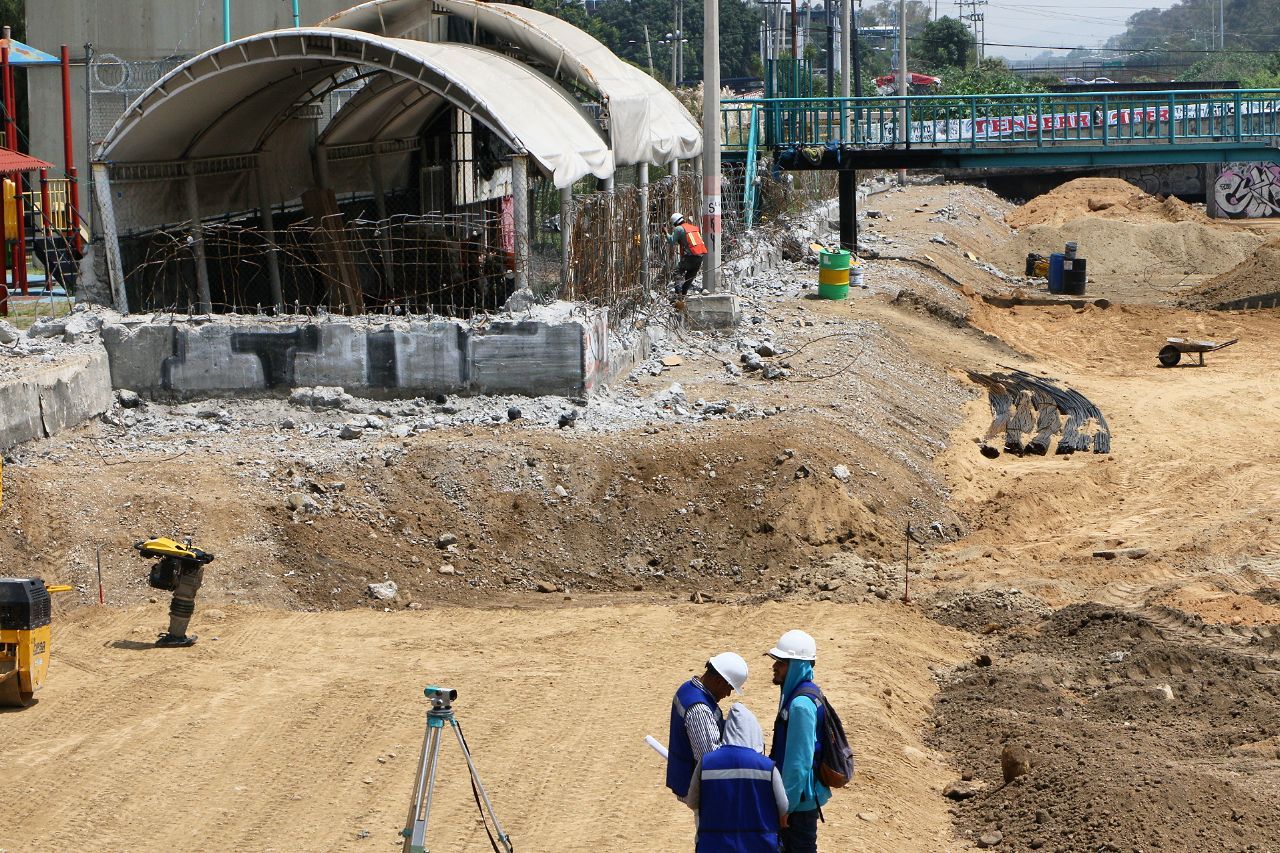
[
  {"x": 44, "y": 402},
  {"x": 556, "y": 352}
]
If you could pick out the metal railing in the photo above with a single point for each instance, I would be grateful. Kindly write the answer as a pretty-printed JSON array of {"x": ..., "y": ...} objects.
[{"x": 973, "y": 121}]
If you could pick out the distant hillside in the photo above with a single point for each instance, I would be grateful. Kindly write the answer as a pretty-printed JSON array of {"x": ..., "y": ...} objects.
[{"x": 1187, "y": 34}]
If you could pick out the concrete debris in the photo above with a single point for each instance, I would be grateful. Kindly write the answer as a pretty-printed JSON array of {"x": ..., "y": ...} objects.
[
  {"x": 385, "y": 591},
  {"x": 8, "y": 334},
  {"x": 349, "y": 432},
  {"x": 48, "y": 327},
  {"x": 547, "y": 586},
  {"x": 444, "y": 540},
  {"x": 298, "y": 501},
  {"x": 841, "y": 473},
  {"x": 520, "y": 301},
  {"x": 321, "y": 397},
  {"x": 128, "y": 399},
  {"x": 513, "y": 413},
  {"x": 447, "y": 569}
]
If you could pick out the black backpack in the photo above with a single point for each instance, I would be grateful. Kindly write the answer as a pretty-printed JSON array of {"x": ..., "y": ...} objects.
[{"x": 833, "y": 761}]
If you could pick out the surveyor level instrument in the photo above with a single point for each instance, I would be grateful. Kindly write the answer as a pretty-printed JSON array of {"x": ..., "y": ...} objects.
[
  {"x": 179, "y": 568},
  {"x": 415, "y": 830}
]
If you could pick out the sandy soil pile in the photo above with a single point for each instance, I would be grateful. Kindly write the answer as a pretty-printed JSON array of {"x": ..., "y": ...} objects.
[
  {"x": 1107, "y": 198},
  {"x": 1063, "y": 688},
  {"x": 1155, "y": 251},
  {"x": 1257, "y": 275},
  {"x": 1138, "y": 246}
]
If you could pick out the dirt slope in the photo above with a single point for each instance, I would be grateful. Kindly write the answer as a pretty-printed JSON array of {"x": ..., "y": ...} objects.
[{"x": 279, "y": 734}]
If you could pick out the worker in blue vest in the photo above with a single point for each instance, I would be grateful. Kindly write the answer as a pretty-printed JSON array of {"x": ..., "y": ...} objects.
[
  {"x": 737, "y": 792},
  {"x": 697, "y": 724},
  {"x": 795, "y": 740}
]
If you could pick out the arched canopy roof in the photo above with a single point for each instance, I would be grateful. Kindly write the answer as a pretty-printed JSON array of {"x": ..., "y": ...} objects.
[
  {"x": 233, "y": 99},
  {"x": 647, "y": 122}
]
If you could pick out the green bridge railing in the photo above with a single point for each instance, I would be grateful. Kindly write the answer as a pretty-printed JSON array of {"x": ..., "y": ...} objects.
[{"x": 1191, "y": 116}]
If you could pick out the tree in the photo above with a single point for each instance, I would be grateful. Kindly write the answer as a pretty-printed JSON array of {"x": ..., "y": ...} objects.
[
  {"x": 944, "y": 43},
  {"x": 626, "y": 19}
]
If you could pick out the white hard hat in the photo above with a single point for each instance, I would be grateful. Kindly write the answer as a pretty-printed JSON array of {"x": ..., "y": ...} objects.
[
  {"x": 676, "y": 219},
  {"x": 732, "y": 668},
  {"x": 795, "y": 645}
]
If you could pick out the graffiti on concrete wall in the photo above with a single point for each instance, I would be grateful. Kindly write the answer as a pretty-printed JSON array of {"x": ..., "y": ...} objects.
[
  {"x": 1248, "y": 190},
  {"x": 427, "y": 358}
]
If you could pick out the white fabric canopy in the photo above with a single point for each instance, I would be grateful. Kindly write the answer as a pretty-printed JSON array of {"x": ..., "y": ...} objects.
[
  {"x": 233, "y": 99},
  {"x": 647, "y": 123}
]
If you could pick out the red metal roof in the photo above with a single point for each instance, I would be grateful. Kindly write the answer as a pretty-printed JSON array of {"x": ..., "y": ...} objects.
[{"x": 12, "y": 161}]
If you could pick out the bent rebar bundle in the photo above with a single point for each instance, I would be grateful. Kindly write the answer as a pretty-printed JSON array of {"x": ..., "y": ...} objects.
[{"x": 1026, "y": 405}]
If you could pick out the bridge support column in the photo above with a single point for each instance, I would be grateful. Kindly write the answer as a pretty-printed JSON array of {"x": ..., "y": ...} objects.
[{"x": 848, "y": 209}]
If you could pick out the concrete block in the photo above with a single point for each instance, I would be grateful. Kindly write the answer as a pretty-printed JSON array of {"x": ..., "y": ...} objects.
[
  {"x": 73, "y": 394},
  {"x": 721, "y": 311},
  {"x": 47, "y": 401},
  {"x": 341, "y": 358},
  {"x": 204, "y": 362},
  {"x": 19, "y": 413},
  {"x": 137, "y": 355},
  {"x": 431, "y": 357},
  {"x": 528, "y": 358}
]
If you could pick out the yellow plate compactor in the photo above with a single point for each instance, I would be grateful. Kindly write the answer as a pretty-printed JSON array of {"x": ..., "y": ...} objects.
[{"x": 24, "y": 639}]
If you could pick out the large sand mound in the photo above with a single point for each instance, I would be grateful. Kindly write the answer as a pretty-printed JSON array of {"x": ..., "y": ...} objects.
[
  {"x": 1258, "y": 275},
  {"x": 1108, "y": 198},
  {"x": 1129, "y": 250}
]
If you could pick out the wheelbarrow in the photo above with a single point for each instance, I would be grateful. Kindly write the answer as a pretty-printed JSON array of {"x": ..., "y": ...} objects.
[{"x": 1172, "y": 351}]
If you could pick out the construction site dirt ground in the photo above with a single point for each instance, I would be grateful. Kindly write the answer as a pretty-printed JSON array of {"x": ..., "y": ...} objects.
[{"x": 1144, "y": 687}]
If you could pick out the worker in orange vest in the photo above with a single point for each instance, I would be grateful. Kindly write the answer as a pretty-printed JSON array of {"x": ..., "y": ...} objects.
[{"x": 688, "y": 237}]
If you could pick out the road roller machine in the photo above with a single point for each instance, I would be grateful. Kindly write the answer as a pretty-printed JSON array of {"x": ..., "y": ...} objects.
[{"x": 25, "y": 610}]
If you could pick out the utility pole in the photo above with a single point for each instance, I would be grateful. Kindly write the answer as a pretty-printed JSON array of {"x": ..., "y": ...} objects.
[
  {"x": 795, "y": 32},
  {"x": 1222, "y": 28},
  {"x": 648, "y": 48},
  {"x": 711, "y": 142},
  {"x": 903, "y": 130}
]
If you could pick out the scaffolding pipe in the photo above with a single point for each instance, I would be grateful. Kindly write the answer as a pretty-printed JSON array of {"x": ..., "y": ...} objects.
[
  {"x": 520, "y": 223},
  {"x": 110, "y": 238},
  {"x": 196, "y": 238},
  {"x": 566, "y": 241},
  {"x": 269, "y": 233},
  {"x": 646, "y": 275},
  {"x": 226, "y": 21}
]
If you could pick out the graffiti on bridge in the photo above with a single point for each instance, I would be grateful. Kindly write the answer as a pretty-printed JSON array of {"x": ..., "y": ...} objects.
[{"x": 1248, "y": 190}]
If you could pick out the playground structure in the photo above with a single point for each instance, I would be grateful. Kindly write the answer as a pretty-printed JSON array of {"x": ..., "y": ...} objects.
[{"x": 47, "y": 209}]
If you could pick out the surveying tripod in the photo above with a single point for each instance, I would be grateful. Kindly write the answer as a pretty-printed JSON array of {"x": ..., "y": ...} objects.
[{"x": 415, "y": 829}]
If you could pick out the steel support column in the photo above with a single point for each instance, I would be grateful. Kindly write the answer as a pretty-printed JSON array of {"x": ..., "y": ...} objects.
[
  {"x": 566, "y": 242},
  {"x": 269, "y": 232},
  {"x": 848, "y": 209},
  {"x": 645, "y": 248},
  {"x": 520, "y": 223},
  {"x": 205, "y": 304}
]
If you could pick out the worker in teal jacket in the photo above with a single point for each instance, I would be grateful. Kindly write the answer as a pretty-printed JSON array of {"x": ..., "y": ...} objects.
[{"x": 795, "y": 739}]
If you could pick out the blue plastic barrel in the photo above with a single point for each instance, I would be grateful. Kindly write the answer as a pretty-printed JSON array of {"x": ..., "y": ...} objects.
[{"x": 1055, "y": 272}]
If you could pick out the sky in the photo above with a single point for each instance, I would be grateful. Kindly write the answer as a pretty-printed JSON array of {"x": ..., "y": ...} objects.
[{"x": 1086, "y": 23}]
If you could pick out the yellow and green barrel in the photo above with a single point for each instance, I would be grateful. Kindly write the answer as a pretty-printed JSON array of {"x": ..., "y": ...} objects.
[{"x": 833, "y": 273}]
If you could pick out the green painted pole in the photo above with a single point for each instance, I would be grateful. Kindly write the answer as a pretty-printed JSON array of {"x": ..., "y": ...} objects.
[
  {"x": 226, "y": 21},
  {"x": 297, "y": 18}
]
